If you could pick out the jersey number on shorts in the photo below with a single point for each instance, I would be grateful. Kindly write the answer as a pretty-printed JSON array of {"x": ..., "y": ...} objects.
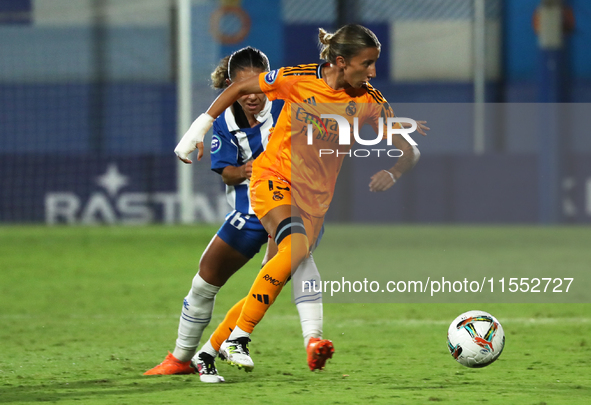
[{"x": 238, "y": 221}]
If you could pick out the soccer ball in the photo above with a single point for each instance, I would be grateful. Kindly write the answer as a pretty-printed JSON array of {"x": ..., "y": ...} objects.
[{"x": 475, "y": 339}]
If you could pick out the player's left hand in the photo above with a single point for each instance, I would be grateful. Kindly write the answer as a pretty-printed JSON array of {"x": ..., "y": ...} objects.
[
  {"x": 183, "y": 151},
  {"x": 246, "y": 170},
  {"x": 200, "y": 149},
  {"x": 381, "y": 181},
  {"x": 193, "y": 138}
]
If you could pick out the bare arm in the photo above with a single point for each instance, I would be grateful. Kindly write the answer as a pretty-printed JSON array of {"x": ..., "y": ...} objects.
[
  {"x": 232, "y": 94},
  {"x": 385, "y": 179},
  {"x": 234, "y": 175},
  {"x": 410, "y": 156}
]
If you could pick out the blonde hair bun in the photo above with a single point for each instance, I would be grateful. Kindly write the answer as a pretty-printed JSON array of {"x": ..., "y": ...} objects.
[
  {"x": 347, "y": 42},
  {"x": 324, "y": 37}
]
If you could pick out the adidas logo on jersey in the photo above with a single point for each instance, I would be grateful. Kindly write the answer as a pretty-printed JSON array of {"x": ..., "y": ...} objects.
[{"x": 310, "y": 100}]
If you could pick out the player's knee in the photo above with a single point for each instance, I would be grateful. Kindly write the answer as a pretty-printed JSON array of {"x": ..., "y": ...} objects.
[
  {"x": 202, "y": 288},
  {"x": 299, "y": 249},
  {"x": 207, "y": 270},
  {"x": 297, "y": 244}
]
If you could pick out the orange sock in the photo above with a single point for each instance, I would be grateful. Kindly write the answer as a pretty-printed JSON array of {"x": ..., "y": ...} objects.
[
  {"x": 224, "y": 329},
  {"x": 270, "y": 280}
]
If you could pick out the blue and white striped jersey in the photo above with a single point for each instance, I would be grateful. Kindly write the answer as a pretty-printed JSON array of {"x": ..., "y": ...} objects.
[{"x": 233, "y": 146}]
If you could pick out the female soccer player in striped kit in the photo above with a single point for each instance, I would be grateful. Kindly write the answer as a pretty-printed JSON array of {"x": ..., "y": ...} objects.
[
  {"x": 295, "y": 219},
  {"x": 240, "y": 135}
]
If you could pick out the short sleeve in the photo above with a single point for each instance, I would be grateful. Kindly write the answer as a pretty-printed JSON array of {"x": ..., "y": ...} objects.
[
  {"x": 224, "y": 151},
  {"x": 275, "y": 85},
  {"x": 380, "y": 110}
]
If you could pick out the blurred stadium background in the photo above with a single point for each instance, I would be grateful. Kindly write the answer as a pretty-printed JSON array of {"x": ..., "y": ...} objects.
[
  {"x": 95, "y": 93},
  {"x": 90, "y": 109}
]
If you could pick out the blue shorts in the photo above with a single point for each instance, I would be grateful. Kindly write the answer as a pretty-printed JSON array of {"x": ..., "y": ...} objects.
[{"x": 244, "y": 233}]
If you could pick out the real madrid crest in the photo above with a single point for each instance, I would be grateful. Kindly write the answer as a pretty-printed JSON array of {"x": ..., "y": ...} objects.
[{"x": 351, "y": 108}]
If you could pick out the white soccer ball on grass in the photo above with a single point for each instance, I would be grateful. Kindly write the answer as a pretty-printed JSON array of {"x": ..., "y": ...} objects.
[{"x": 475, "y": 339}]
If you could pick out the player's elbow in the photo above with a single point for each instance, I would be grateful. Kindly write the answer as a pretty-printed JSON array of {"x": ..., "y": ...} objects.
[
  {"x": 231, "y": 180},
  {"x": 227, "y": 180},
  {"x": 411, "y": 152},
  {"x": 416, "y": 153}
]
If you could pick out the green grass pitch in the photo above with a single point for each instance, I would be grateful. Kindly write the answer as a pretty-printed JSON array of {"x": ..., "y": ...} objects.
[{"x": 85, "y": 311}]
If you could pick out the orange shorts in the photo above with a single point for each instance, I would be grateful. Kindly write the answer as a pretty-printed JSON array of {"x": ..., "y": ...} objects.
[{"x": 272, "y": 191}]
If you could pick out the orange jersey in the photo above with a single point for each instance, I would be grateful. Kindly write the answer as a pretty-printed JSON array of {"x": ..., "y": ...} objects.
[{"x": 294, "y": 151}]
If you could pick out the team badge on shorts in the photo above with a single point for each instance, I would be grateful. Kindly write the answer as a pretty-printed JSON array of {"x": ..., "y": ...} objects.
[
  {"x": 277, "y": 196},
  {"x": 216, "y": 144},
  {"x": 351, "y": 108},
  {"x": 271, "y": 76}
]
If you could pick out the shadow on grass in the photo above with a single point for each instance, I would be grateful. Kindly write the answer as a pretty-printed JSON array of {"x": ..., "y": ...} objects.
[{"x": 98, "y": 388}]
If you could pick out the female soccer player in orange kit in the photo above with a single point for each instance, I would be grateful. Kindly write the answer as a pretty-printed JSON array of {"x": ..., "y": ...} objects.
[
  {"x": 240, "y": 135},
  {"x": 291, "y": 184}
]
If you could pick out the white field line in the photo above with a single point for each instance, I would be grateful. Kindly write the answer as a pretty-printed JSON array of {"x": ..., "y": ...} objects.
[
  {"x": 295, "y": 318},
  {"x": 422, "y": 322}
]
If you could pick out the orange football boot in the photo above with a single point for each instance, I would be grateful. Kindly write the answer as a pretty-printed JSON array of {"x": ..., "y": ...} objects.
[
  {"x": 319, "y": 350},
  {"x": 171, "y": 366}
]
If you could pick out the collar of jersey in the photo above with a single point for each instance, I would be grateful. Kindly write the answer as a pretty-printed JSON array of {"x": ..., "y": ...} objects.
[
  {"x": 265, "y": 112},
  {"x": 319, "y": 76},
  {"x": 260, "y": 117}
]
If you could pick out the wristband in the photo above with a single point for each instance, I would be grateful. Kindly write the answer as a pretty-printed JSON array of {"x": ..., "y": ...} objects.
[{"x": 391, "y": 175}]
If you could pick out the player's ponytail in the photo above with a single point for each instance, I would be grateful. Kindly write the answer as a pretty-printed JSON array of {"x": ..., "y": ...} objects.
[
  {"x": 324, "y": 37},
  {"x": 245, "y": 58},
  {"x": 220, "y": 74},
  {"x": 347, "y": 42}
]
